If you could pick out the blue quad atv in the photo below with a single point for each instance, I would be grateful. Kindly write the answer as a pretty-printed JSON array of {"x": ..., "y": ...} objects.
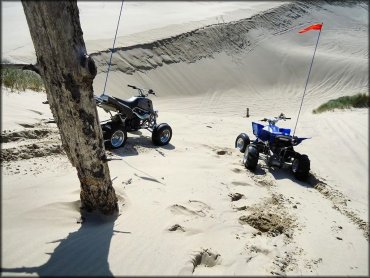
[{"x": 276, "y": 145}]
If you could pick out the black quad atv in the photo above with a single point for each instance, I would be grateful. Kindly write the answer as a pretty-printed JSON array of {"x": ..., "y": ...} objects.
[{"x": 131, "y": 115}]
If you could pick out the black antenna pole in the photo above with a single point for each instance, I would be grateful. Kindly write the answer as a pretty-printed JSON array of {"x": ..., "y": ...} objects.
[
  {"x": 111, "y": 54},
  {"x": 308, "y": 77}
]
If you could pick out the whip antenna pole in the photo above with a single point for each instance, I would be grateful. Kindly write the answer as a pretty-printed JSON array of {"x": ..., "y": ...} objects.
[
  {"x": 111, "y": 54},
  {"x": 308, "y": 77}
]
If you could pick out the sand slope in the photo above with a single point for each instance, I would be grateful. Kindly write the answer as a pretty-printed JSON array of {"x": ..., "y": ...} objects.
[
  {"x": 231, "y": 56},
  {"x": 191, "y": 208}
]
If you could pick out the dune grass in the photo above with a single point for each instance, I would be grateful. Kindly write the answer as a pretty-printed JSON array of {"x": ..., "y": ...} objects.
[
  {"x": 356, "y": 101},
  {"x": 20, "y": 80}
]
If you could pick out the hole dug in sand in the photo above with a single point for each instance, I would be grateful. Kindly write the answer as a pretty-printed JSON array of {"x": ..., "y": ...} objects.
[
  {"x": 269, "y": 217},
  {"x": 269, "y": 223}
]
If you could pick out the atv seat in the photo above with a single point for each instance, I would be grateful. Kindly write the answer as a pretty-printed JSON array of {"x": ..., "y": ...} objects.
[
  {"x": 131, "y": 102},
  {"x": 115, "y": 104},
  {"x": 282, "y": 140}
]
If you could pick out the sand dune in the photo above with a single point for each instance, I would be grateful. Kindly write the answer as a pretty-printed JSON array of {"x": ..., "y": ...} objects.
[
  {"x": 231, "y": 56},
  {"x": 191, "y": 208}
]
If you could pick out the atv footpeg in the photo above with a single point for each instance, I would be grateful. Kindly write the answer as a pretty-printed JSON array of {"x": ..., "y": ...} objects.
[{"x": 274, "y": 161}]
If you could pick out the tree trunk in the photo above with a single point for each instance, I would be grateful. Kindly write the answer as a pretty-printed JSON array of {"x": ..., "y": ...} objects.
[{"x": 68, "y": 74}]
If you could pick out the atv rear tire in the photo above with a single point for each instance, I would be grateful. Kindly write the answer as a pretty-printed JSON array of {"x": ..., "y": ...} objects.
[
  {"x": 162, "y": 135},
  {"x": 301, "y": 167},
  {"x": 241, "y": 142},
  {"x": 116, "y": 137},
  {"x": 250, "y": 158}
]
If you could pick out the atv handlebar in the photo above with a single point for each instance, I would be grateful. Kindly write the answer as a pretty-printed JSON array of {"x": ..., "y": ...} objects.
[
  {"x": 141, "y": 91},
  {"x": 282, "y": 117},
  {"x": 274, "y": 120}
]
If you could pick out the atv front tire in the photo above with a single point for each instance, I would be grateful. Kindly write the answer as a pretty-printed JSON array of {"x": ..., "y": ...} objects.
[
  {"x": 116, "y": 137},
  {"x": 301, "y": 167},
  {"x": 162, "y": 135},
  {"x": 250, "y": 158},
  {"x": 241, "y": 142}
]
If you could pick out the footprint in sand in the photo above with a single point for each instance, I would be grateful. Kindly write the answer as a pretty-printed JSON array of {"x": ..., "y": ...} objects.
[
  {"x": 25, "y": 134},
  {"x": 223, "y": 152},
  {"x": 179, "y": 209},
  {"x": 176, "y": 228},
  {"x": 204, "y": 258},
  {"x": 240, "y": 183},
  {"x": 241, "y": 208},
  {"x": 30, "y": 151},
  {"x": 237, "y": 170},
  {"x": 336, "y": 228},
  {"x": 26, "y": 125},
  {"x": 235, "y": 196},
  {"x": 193, "y": 207},
  {"x": 35, "y": 111}
]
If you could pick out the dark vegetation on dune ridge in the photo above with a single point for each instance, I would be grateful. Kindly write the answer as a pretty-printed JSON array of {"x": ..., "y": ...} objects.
[
  {"x": 20, "y": 80},
  {"x": 356, "y": 101}
]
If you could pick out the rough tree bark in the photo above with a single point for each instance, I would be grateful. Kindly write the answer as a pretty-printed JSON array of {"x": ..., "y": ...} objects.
[{"x": 68, "y": 73}]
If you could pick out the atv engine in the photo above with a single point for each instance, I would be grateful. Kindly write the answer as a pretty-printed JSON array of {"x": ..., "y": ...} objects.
[
  {"x": 282, "y": 146},
  {"x": 133, "y": 124}
]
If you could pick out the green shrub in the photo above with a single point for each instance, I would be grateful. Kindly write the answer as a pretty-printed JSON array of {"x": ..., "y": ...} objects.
[
  {"x": 20, "y": 80},
  {"x": 356, "y": 101}
]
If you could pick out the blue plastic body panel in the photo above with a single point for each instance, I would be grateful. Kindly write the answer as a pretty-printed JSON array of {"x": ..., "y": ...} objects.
[
  {"x": 257, "y": 128},
  {"x": 269, "y": 132},
  {"x": 259, "y": 132},
  {"x": 285, "y": 131}
]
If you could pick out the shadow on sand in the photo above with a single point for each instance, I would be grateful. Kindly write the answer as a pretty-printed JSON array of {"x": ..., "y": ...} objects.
[
  {"x": 135, "y": 144},
  {"x": 286, "y": 173},
  {"x": 260, "y": 170},
  {"x": 81, "y": 253}
]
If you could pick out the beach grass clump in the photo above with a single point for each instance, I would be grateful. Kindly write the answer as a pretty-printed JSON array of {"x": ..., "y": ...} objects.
[
  {"x": 20, "y": 80},
  {"x": 355, "y": 101}
]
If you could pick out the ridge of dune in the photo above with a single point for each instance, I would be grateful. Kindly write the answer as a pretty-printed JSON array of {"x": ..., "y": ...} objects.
[
  {"x": 141, "y": 22},
  {"x": 218, "y": 57},
  {"x": 202, "y": 42},
  {"x": 231, "y": 37}
]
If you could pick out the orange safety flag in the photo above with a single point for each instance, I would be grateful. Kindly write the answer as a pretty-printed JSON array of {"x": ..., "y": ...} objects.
[{"x": 312, "y": 27}]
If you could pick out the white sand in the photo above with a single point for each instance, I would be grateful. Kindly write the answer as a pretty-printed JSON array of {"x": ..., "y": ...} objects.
[
  {"x": 140, "y": 22},
  {"x": 189, "y": 184}
]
